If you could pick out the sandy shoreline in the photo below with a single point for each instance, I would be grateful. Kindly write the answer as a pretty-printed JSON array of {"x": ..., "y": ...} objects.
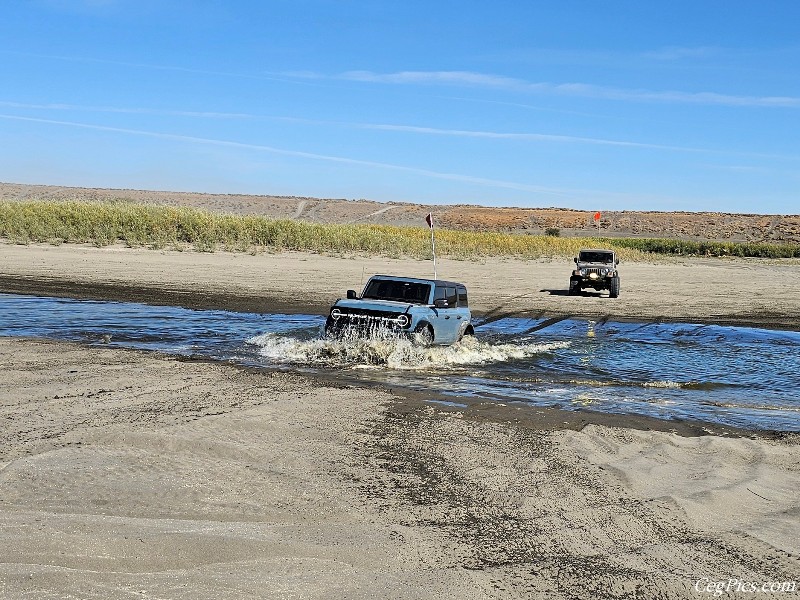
[
  {"x": 128, "y": 473},
  {"x": 746, "y": 292},
  {"x": 132, "y": 474}
]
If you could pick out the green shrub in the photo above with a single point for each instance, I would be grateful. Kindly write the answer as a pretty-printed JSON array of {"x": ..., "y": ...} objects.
[{"x": 152, "y": 226}]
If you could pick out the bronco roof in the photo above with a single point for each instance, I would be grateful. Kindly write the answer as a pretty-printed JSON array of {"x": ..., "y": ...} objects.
[{"x": 439, "y": 282}]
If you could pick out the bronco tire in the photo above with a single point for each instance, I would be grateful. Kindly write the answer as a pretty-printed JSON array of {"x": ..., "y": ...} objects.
[{"x": 424, "y": 334}]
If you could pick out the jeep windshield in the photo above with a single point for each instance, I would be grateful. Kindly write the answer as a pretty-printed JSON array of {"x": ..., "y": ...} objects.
[
  {"x": 596, "y": 257},
  {"x": 399, "y": 291}
]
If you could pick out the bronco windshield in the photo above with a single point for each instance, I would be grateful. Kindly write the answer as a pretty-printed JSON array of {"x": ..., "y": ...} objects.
[
  {"x": 597, "y": 257},
  {"x": 400, "y": 291}
]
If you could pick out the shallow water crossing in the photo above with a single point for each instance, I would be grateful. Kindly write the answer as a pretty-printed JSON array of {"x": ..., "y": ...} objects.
[{"x": 737, "y": 376}]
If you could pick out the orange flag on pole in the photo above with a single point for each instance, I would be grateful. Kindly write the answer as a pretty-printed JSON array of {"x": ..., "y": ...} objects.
[{"x": 429, "y": 221}]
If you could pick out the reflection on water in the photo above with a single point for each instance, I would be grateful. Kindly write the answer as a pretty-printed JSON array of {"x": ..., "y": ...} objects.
[{"x": 739, "y": 376}]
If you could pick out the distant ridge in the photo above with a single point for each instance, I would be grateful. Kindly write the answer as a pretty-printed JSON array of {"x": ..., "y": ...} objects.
[{"x": 570, "y": 222}]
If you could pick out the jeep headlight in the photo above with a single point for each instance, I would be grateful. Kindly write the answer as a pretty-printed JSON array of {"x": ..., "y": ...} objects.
[
  {"x": 336, "y": 313},
  {"x": 403, "y": 320}
]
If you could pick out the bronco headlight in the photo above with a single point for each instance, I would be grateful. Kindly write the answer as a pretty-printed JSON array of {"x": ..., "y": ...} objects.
[
  {"x": 403, "y": 320},
  {"x": 336, "y": 313}
]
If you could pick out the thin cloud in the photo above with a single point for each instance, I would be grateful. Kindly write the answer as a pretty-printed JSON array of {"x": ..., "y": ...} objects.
[
  {"x": 586, "y": 90},
  {"x": 525, "y": 106},
  {"x": 446, "y": 77},
  {"x": 286, "y": 78},
  {"x": 544, "y": 137},
  {"x": 132, "y": 111},
  {"x": 368, "y": 126},
  {"x": 671, "y": 53},
  {"x": 308, "y": 155},
  {"x": 568, "y": 139},
  {"x": 498, "y": 135},
  {"x": 468, "y": 78}
]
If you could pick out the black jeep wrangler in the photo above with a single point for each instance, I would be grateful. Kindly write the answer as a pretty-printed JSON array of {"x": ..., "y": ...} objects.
[{"x": 596, "y": 269}]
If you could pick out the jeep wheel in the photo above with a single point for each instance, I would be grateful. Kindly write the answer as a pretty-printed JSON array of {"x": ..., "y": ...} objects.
[
  {"x": 574, "y": 287},
  {"x": 613, "y": 291},
  {"x": 423, "y": 334}
]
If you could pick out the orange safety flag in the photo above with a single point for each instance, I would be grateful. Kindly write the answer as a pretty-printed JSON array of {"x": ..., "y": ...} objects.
[{"x": 597, "y": 216}]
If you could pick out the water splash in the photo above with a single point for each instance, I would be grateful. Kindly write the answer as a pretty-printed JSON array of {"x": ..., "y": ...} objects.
[{"x": 391, "y": 352}]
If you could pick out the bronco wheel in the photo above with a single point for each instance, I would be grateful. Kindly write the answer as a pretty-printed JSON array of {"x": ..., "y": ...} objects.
[
  {"x": 424, "y": 334},
  {"x": 468, "y": 332},
  {"x": 613, "y": 291}
]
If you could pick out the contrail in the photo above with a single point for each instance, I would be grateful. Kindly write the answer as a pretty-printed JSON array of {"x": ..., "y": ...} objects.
[{"x": 309, "y": 155}]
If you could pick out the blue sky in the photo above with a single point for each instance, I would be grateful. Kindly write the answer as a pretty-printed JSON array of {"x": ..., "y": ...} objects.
[{"x": 614, "y": 105}]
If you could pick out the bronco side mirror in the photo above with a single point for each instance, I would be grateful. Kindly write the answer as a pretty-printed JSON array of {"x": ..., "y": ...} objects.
[
  {"x": 351, "y": 294},
  {"x": 440, "y": 303}
]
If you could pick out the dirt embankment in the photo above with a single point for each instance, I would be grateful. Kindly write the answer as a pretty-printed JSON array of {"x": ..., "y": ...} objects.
[{"x": 569, "y": 222}]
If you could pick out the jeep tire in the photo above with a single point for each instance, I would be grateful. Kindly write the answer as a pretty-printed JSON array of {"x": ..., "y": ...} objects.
[
  {"x": 613, "y": 290},
  {"x": 574, "y": 287}
]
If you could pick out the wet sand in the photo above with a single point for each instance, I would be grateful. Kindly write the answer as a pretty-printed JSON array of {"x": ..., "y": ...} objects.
[
  {"x": 132, "y": 474},
  {"x": 747, "y": 292}
]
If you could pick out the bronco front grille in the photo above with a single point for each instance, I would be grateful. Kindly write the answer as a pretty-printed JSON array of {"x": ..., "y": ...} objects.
[{"x": 363, "y": 317}]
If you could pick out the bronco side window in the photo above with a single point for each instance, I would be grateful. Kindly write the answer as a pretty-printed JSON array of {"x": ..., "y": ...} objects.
[
  {"x": 462, "y": 297},
  {"x": 451, "y": 297},
  {"x": 447, "y": 293}
]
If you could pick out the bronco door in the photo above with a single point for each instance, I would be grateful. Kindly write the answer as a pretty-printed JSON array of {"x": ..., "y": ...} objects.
[{"x": 447, "y": 321}]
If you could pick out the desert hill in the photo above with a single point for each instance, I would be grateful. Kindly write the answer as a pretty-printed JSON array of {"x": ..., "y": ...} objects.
[{"x": 569, "y": 222}]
